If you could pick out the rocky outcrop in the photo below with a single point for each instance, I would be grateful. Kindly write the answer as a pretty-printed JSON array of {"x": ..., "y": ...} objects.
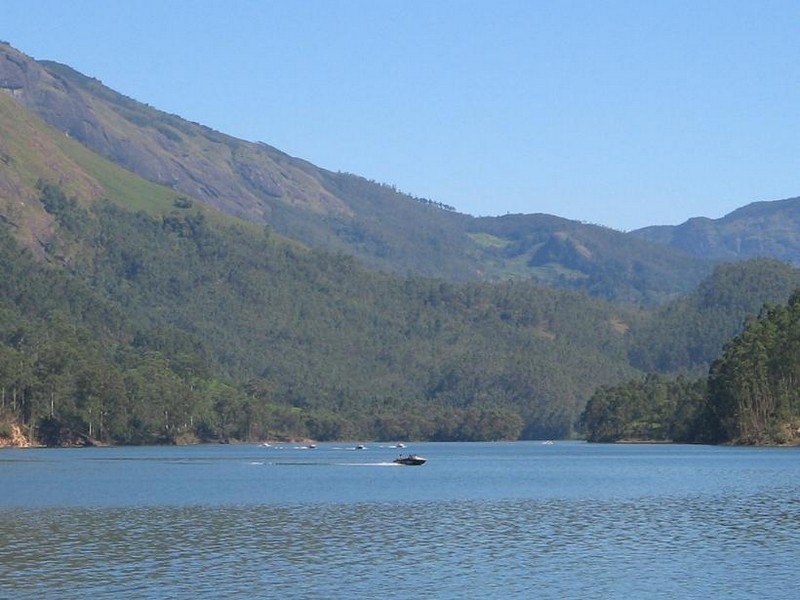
[
  {"x": 238, "y": 177},
  {"x": 13, "y": 436}
]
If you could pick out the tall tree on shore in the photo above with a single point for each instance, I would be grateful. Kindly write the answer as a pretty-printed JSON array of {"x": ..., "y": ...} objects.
[{"x": 753, "y": 392}]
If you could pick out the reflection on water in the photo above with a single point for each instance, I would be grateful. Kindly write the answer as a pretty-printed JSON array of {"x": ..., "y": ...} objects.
[
  {"x": 719, "y": 546},
  {"x": 478, "y": 520}
]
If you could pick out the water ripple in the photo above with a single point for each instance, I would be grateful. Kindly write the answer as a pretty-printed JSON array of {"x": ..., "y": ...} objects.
[{"x": 724, "y": 545}]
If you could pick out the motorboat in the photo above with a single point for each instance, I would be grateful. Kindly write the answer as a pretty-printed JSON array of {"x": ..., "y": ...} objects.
[{"x": 411, "y": 460}]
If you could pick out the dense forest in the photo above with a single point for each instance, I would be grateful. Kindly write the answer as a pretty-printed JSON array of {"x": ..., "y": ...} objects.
[
  {"x": 750, "y": 396},
  {"x": 146, "y": 329},
  {"x": 687, "y": 334},
  {"x": 753, "y": 394},
  {"x": 161, "y": 329},
  {"x": 654, "y": 408}
]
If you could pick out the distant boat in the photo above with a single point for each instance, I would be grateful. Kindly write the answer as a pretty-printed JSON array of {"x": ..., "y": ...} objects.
[
  {"x": 361, "y": 447},
  {"x": 548, "y": 443},
  {"x": 411, "y": 460},
  {"x": 400, "y": 445},
  {"x": 266, "y": 445}
]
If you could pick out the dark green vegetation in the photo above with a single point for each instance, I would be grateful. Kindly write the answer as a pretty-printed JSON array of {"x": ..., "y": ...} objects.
[
  {"x": 156, "y": 329},
  {"x": 649, "y": 409},
  {"x": 152, "y": 328},
  {"x": 753, "y": 392},
  {"x": 751, "y": 395},
  {"x": 597, "y": 260},
  {"x": 385, "y": 229},
  {"x": 687, "y": 334}
]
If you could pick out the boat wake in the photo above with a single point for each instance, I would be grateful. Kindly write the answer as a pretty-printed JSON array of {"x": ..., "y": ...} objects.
[{"x": 371, "y": 464}]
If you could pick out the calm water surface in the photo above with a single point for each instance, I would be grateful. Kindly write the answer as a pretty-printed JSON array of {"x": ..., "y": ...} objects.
[{"x": 516, "y": 520}]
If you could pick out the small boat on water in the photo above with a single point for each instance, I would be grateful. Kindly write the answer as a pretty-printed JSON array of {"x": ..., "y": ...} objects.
[{"x": 411, "y": 460}]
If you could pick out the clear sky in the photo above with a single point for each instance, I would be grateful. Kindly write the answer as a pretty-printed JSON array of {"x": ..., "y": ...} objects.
[{"x": 624, "y": 114}]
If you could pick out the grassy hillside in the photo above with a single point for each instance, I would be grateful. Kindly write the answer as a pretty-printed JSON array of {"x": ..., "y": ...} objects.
[
  {"x": 597, "y": 260},
  {"x": 29, "y": 151},
  {"x": 32, "y": 152}
]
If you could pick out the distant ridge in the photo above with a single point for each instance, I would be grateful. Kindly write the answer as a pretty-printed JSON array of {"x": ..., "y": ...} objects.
[{"x": 761, "y": 229}]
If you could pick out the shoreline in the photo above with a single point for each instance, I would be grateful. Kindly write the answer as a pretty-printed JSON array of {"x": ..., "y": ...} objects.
[{"x": 28, "y": 445}]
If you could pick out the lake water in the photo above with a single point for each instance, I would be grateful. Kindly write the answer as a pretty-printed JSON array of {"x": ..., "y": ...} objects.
[{"x": 501, "y": 520}]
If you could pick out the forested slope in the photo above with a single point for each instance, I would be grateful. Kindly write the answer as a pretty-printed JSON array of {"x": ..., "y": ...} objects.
[
  {"x": 353, "y": 352},
  {"x": 753, "y": 393},
  {"x": 688, "y": 333}
]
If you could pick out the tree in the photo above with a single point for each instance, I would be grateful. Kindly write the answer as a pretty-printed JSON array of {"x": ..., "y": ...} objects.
[{"x": 753, "y": 392}]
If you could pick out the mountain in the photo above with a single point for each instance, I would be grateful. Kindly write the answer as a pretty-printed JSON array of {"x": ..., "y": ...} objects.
[
  {"x": 32, "y": 152},
  {"x": 760, "y": 229},
  {"x": 387, "y": 230},
  {"x": 137, "y": 312},
  {"x": 131, "y": 313}
]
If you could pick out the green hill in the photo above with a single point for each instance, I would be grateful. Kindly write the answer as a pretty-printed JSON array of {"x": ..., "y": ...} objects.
[
  {"x": 687, "y": 334},
  {"x": 594, "y": 259}
]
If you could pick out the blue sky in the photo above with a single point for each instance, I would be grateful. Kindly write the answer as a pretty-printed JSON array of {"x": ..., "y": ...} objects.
[{"x": 625, "y": 114}]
